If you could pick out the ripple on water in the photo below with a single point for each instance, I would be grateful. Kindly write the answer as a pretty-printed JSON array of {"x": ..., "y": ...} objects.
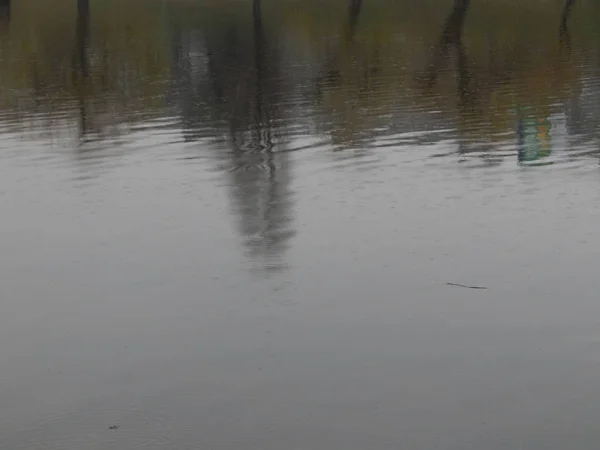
[{"x": 115, "y": 428}]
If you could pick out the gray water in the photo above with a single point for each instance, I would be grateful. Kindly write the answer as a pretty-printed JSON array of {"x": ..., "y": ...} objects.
[{"x": 234, "y": 228}]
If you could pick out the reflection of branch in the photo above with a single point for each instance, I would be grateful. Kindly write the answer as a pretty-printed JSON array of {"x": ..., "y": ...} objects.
[
  {"x": 262, "y": 124},
  {"x": 5, "y": 10},
  {"x": 353, "y": 14},
  {"x": 333, "y": 74},
  {"x": 83, "y": 34},
  {"x": 566, "y": 13},
  {"x": 256, "y": 10},
  {"x": 451, "y": 37},
  {"x": 81, "y": 63},
  {"x": 565, "y": 36},
  {"x": 456, "y": 19},
  {"x": 464, "y": 78}
]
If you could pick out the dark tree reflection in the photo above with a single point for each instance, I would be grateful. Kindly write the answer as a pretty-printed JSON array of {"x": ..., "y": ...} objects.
[
  {"x": 347, "y": 82},
  {"x": 566, "y": 13},
  {"x": 5, "y": 11},
  {"x": 241, "y": 96},
  {"x": 81, "y": 65},
  {"x": 354, "y": 10},
  {"x": 565, "y": 35},
  {"x": 451, "y": 38}
]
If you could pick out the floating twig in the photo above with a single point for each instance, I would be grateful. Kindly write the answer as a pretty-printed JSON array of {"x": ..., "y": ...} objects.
[{"x": 465, "y": 286}]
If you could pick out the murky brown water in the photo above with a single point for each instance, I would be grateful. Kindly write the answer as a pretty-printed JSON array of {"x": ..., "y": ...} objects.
[{"x": 233, "y": 228}]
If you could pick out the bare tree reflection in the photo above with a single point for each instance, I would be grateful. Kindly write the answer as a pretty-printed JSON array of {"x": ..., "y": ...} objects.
[
  {"x": 5, "y": 11},
  {"x": 354, "y": 10},
  {"x": 241, "y": 100},
  {"x": 566, "y": 13},
  {"x": 346, "y": 84},
  {"x": 451, "y": 38},
  {"x": 332, "y": 73},
  {"x": 262, "y": 194},
  {"x": 4, "y": 23},
  {"x": 81, "y": 66},
  {"x": 565, "y": 35}
]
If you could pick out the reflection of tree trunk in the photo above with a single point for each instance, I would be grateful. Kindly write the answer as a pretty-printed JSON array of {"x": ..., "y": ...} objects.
[
  {"x": 242, "y": 77},
  {"x": 451, "y": 37},
  {"x": 464, "y": 78},
  {"x": 566, "y": 13},
  {"x": 574, "y": 113},
  {"x": 262, "y": 119},
  {"x": 565, "y": 36},
  {"x": 256, "y": 11},
  {"x": 353, "y": 14},
  {"x": 5, "y": 10},
  {"x": 83, "y": 35},
  {"x": 452, "y": 31},
  {"x": 81, "y": 63},
  {"x": 333, "y": 73}
]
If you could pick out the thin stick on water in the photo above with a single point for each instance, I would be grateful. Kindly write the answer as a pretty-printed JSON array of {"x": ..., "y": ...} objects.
[{"x": 465, "y": 286}]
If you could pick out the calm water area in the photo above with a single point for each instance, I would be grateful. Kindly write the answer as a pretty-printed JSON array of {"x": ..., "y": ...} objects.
[{"x": 229, "y": 225}]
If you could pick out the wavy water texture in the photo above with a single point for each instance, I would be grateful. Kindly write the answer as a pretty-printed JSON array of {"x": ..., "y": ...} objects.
[{"x": 267, "y": 224}]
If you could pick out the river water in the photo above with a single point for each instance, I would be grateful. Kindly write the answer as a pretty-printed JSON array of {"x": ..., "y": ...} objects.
[{"x": 235, "y": 227}]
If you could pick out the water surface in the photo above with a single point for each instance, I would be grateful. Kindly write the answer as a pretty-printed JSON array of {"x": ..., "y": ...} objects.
[{"x": 230, "y": 227}]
